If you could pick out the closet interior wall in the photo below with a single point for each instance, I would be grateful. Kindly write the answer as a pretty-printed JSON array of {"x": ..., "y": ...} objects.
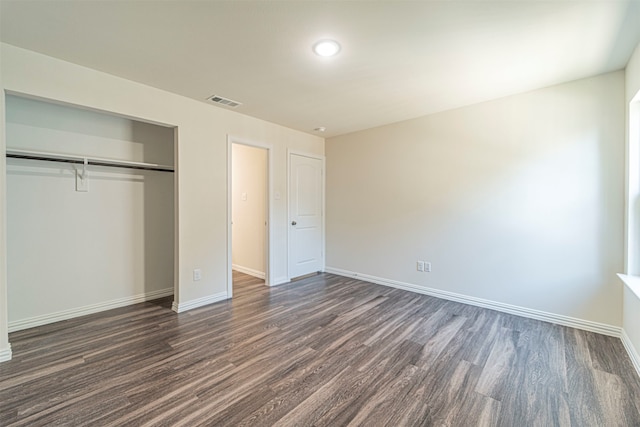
[{"x": 71, "y": 252}]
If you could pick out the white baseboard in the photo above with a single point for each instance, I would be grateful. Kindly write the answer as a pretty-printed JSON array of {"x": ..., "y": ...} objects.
[
  {"x": 190, "y": 305},
  {"x": 249, "y": 271},
  {"x": 280, "y": 281},
  {"x": 5, "y": 355},
  {"x": 631, "y": 350},
  {"x": 573, "y": 322},
  {"x": 18, "y": 325}
]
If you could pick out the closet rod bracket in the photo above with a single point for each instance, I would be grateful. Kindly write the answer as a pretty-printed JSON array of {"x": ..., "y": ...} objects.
[{"x": 82, "y": 178}]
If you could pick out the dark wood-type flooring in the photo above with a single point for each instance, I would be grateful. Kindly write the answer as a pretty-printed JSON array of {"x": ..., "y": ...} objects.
[{"x": 323, "y": 351}]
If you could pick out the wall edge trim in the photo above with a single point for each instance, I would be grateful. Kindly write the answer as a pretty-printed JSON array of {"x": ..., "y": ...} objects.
[
  {"x": 631, "y": 350},
  {"x": 199, "y": 302},
  {"x": 31, "y": 322},
  {"x": 586, "y": 325},
  {"x": 281, "y": 281},
  {"x": 5, "y": 355}
]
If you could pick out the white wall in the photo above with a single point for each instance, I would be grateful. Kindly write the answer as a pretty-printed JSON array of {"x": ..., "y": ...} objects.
[
  {"x": 201, "y": 159},
  {"x": 631, "y": 313},
  {"x": 69, "y": 250},
  {"x": 632, "y": 75},
  {"x": 517, "y": 201},
  {"x": 632, "y": 89},
  {"x": 249, "y": 184},
  {"x": 5, "y": 347}
]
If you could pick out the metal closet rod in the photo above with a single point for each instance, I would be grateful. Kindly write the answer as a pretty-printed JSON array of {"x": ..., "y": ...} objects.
[{"x": 63, "y": 158}]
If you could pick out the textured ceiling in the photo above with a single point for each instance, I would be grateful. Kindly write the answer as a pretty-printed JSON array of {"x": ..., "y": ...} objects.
[{"x": 399, "y": 60}]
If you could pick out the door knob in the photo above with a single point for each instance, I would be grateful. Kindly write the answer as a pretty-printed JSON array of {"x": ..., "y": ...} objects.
[{"x": 293, "y": 223}]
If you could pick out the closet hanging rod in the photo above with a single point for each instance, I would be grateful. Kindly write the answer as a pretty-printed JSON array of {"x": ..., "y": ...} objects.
[{"x": 66, "y": 158}]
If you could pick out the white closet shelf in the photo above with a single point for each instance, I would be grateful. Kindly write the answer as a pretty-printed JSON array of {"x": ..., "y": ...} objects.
[{"x": 97, "y": 161}]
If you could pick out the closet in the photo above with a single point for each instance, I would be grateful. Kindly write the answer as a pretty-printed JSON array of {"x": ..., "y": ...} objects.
[{"x": 90, "y": 211}]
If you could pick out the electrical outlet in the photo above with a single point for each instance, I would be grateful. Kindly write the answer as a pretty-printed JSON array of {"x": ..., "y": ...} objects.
[
  {"x": 420, "y": 265},
  {"x": 197, "y": 274},
  {"x": 427, "y": 267}
]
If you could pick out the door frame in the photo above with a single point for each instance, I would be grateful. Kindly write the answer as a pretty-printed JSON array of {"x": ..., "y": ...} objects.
[
  {"x": 268, "y": 279},
  {"x": 291, "y": 152}
]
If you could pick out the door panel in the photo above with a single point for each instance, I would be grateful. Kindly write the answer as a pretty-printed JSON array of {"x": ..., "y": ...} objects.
[{"x": 305, "y": 215}]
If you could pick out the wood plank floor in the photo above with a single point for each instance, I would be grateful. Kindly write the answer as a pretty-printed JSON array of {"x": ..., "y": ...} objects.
[{"x": 324, "y": 351}]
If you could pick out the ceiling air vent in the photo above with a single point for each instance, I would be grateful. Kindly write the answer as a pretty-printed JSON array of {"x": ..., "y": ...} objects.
[{"x": 224, "y": 101}]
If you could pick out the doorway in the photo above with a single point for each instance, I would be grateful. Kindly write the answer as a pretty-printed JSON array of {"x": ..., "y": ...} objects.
[{"x": 249, "y": 165}]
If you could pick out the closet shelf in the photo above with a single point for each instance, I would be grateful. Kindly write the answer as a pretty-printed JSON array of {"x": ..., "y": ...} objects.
[{"x": 97, "y": 161}]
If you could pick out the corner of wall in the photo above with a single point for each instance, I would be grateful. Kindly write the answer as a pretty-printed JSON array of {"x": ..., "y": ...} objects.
[
  {"x": 631, "y": 301},
  {"x": 199, "y": 302},
  {"x": 5, "y": 355},
  {"x": 5, "y": 348}
]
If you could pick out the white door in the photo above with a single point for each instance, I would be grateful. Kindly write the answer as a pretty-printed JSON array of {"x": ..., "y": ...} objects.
[{"x": 305, "y": 215}]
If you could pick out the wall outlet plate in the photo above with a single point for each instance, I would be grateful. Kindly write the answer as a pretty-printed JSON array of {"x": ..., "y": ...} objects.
[
  {"x": 420, "y": 265},
  {"x": 197, "y": 274}
]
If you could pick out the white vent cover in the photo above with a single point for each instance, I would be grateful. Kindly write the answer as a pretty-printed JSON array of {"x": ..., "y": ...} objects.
[{"x": 224, "y": 101}]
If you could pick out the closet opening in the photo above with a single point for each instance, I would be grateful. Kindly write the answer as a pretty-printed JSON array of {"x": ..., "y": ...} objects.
[
  {"x": 90, "y": 211},
  {"x": 249, "y": 202}
]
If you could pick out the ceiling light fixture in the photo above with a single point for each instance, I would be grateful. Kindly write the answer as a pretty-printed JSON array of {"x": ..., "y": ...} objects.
[
  {"x": 320, "y": 129},
  {"x": 326, "y": 48}
]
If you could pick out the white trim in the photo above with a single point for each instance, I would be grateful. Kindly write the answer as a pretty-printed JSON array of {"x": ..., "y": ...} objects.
[
  {"x": 632, "y": 187},
  {"x": 269, "y": 232},
  {"x": 573, "y": 322},
  {"x": 631, "y": 282},
  {"x": 176, "y": 216},
  {"x": 199, "y": 302},
  {"x": 288, "y": 201},
  {"x": 5, "y": 355},
  {"x": 631, "y": 350},
  {"x": 281, "y": 281},
  {"x": 249, "y": 271},
  {"x": 229, "y": 223},
  {"x": 18, "y": 325},
  {"x": 323, "y": 159}
]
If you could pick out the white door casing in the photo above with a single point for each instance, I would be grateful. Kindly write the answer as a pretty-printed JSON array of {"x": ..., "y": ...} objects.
[{"x": 306, "y": 222}]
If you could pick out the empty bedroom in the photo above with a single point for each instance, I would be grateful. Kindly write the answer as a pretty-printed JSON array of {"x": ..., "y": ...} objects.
[{"x": 297, "y": 213}]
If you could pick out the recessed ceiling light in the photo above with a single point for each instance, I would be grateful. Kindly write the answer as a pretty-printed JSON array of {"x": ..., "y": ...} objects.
[
  {"x": 326, "y": 48},
  {"x": 320, "y": 129}
]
